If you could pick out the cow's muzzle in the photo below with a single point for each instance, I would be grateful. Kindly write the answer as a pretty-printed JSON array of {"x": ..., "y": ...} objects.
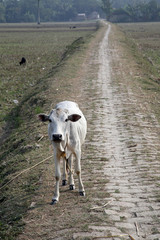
[{"x": 57, "y": 137}]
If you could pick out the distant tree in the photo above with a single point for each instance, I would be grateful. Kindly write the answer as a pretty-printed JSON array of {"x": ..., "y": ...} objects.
[
  {"x": 134, "y": 12},
  {"x": 124, "y": 3},
  {"x": 145, "y": 13},
  {"x": 149, "y": 11},
  {"x": 2, "y": 12},
  {"x": 120, "y": 3},
  {"x": 12, "y": 11},
  {"x": 62, "y": 10},
  {"x": 28, "y": 10},
  {"x": 154, "y": 10},
  {"x": 87, "y": 6},
  {"x": 29, "y": 17},
  {"x": 107, "y": 8}
]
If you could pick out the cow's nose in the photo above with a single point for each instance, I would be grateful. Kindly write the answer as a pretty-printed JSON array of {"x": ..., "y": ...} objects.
[{"x": 57, "y": 137}]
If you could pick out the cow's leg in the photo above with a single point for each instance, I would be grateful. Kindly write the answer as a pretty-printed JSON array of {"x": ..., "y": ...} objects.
[
  {"x": 64, "y": 176},
  {"x": 78, "y": 171},
  {"x": 57, "y": 177},
  {"x": 71, "y": 179}
]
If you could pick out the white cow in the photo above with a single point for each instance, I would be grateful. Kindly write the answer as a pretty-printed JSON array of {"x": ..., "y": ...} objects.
[{"x": 67, "y": 130}]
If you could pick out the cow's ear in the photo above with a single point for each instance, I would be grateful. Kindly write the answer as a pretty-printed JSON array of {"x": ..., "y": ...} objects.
[
  {"x": 43, "y": 117},
  {"x": 74, "y": 117}
]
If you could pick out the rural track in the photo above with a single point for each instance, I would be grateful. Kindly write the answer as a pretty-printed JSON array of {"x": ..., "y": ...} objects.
[
  {"x": 130, "y": 142},
  {"x": 122, "y": 148}
]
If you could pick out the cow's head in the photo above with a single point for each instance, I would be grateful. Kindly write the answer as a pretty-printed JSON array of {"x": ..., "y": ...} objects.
[{"x": 58, "y": 123}]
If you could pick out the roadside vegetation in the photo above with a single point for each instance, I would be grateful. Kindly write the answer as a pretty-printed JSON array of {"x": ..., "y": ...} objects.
[
  {"x": 26, "y": 91},
  {"x": 143, "y": 42}
]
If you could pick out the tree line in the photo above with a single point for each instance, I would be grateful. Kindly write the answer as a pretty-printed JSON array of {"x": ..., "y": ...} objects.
[
  {"x": 136, "y": 11},
  {"x": 50, "y": 10},
  {"x": 67, "y": 10}
]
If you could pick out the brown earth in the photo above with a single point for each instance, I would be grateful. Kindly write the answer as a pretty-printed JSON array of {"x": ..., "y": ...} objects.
[{"x": 120, "y": 160}]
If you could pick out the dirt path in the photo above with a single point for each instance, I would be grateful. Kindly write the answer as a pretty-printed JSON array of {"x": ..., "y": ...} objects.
[{"x": 120, "y": 159}]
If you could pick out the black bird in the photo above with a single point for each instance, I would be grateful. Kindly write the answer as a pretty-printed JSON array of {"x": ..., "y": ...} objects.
[{"x": 23, "y": 61}]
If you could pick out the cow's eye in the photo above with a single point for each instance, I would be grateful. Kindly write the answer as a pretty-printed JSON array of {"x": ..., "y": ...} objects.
[
  {"x": 66, "y": 120},
  {"x": 50, "y": 120}
]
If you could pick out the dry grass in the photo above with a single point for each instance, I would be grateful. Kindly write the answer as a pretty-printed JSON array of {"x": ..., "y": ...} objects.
[
  {"x": 142, "y": 40},
  {"x": 46, "y": 51},
  {"x": 23, "y": 148}
]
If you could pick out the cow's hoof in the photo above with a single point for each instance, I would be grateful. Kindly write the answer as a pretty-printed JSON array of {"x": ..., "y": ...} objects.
[
  {"x": 54, "y": 201},
  {"x": 71, "y": 187},
  {"x": 64, "y": 182},
  {"x": 82, "y": 193}
]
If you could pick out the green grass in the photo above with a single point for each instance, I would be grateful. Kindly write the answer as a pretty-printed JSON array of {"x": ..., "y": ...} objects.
[{"x": 46, "y": 50}]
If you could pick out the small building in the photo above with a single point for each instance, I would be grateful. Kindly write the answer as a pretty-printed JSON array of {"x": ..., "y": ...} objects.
[
  {"x": 93, "y": 16},
  {"x": 81, "y": 17}
]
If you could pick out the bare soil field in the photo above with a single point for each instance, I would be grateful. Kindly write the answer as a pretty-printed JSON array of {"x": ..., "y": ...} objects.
[{"x": 120, "y": 158}]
